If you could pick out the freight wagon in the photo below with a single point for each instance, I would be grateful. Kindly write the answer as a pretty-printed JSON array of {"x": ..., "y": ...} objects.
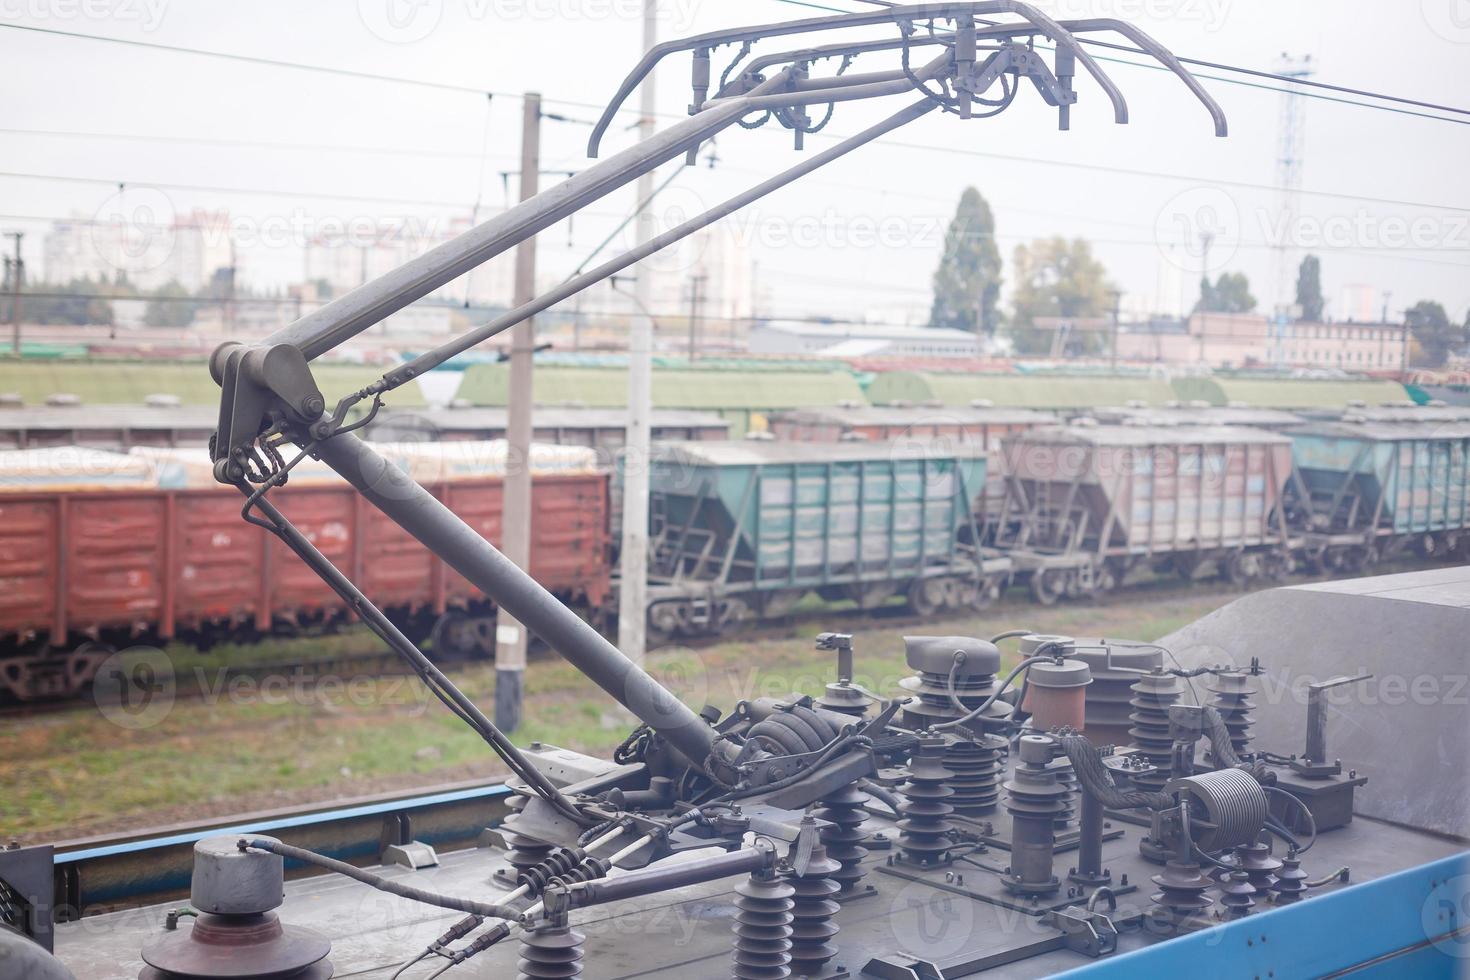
[
  {"x": 977, "y": 426},
  {"x": 115, "y": 562},
  {"x": 1086, "y": 504},
  {"x": 743, "y": 530},
  {"x": 1368, "y": 489}
]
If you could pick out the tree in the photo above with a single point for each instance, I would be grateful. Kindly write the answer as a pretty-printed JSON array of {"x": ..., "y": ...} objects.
[
  {"x": 1057, "y": 277},
  {"x": 169, "y": 306},
  {"x": 73, "y": 303},
  {"x": 1309, "y": 289},
  {"x": 1437, "y": 337},
  {"x": 1231, "y": 293},
  {"x": 967, "y": 282}
]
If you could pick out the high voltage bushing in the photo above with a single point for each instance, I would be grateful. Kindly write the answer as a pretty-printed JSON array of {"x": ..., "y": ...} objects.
[
  {"x": 1181, "y": 895},
  {"x": 1061, "y": 767},
  {"x": 1291, "y": 881},
  {"x": 844, "y": 839},
  {"x": 974, "y": 680},
  {"x": 812, "y": 927},
  {"x": 1233, "y": 690},
  {"x": 525, "y": 852},
  {"x": 551, "y": 950},
  {"x": 236, "y": 933},
  {"x": 1256, "y": 860},
  {"x": 1114, "y": 665},
  {"x": 1237, "y": 894},
  {"x": 763, "y": 925},
  {"x": 925, "y": 810},
  {"x": 1034, "y": 798},
  {"x": 1152, "y": 696},
  {"x": 977, "y": 765}
]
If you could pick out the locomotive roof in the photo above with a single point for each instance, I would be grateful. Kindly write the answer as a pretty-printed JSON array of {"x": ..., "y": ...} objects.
[
  {"x": 1149, "y": 435},
  {"x": 917, "y": 415},
  {"x": 745, "y": 452}
]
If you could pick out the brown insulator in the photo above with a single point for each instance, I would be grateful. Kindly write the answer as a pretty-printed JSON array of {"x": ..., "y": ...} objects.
[
  {"x": 1033, "y": 798},
  {"x": 925, "y": 810},
  {"x": 1152, "y": 696},
  {"x": 1258, "y": 864},
  {"x": 1115, "y": 665},
  {"x": 974, "y": 681},
  {"x": 1291, "y": 880},
  {"x": 218, "y": 946},
  {"x": 763, "y": 919},
  {"x": 551, "y": 951},
  {"x": 525, "y": 852},
  {"x": 844, "y": 839},
  {"x": 813, "y": 928},
  {"x": 1061, "y": 767},
  {"x": 1232, "y": 692},
  {"x": 1237, "y": 894},
  {"x": 1181, "y": 895},
  {"x": 976, "y": 764}
]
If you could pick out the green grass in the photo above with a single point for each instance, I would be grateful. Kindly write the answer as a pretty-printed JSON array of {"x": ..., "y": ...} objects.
[{"x": 77, "y": 773}]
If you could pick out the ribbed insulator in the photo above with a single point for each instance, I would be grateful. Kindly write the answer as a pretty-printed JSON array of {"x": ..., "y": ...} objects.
[
  {"x": 551, "y": 951},
  {"x": 1291, "y": 881},
  {"x": 1152, "y": 695},
  {"x": 1067, "y": 779},
  {"x": 812, "y": 927},
  {"x": 1232, "y": 698},
  {"x": 976, "y": 764},
  {"x": 933, "y": 704},
  {"x": 525, "y": 852},
  {"x": 844, "y": 839},
  {"x": 1034, "y": 798},
  {"x": 925, "y": 810},
  {"x": 1237, "y": 894},
  {"x": 591, "y": 869},
  {"x": 1259, "y": 865},
  {"x": 559, "y": 862},
  {"x": 1181, "y": 893},
  {"x": 763, "y": 921}
]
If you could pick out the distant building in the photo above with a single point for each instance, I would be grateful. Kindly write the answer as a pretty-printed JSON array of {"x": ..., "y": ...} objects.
[
  {"x": 186, "y": 250},
  {"x": 1235, "y": 340},
  {"x": 859, "y": 340}
]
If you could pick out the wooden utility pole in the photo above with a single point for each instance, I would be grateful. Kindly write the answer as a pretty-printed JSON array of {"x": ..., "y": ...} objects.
[
  {"x": 16, "y": 267},
  {"x": 515, "y": 523},
  {"x": 633, "y": 561}
]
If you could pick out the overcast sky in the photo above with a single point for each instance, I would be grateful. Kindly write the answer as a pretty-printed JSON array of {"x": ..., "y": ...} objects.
[{"x": 861, "y": 237}]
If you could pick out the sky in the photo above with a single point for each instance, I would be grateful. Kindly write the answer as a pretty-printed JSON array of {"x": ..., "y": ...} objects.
[{"x": 1384, "y": 199}]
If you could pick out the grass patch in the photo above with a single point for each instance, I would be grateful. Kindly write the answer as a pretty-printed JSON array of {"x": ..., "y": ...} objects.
[{"x": 78, "y": 773}]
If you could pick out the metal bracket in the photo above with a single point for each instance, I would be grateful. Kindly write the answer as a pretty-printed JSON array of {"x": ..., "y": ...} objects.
[
  {"x": 263, "y": 389},
  {"x": 1313, "y": 764},
  {"x": 1088, "y": 933}
]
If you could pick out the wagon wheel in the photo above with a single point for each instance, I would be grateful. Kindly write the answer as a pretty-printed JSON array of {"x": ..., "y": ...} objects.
[
  {"x": 459, "y": 635},
  {"x": 1048, "y": 585},
  {"x": 1358, "y": 561},
  {"x": 926, "y": 596},
  {"x": 869, "y": 595},
  {"x": 987, "y": 591},
  {"x": 1241, "y": 567},
  {"x": 1104, "y": 580},
  {"x": 734, "y": 613},
  {"x": 1185, "y": 565},
  {"x": 661, "y": 625}
]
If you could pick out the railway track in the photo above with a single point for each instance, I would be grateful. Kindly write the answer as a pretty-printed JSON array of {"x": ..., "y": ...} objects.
[{"x": 195, "y": 681}]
